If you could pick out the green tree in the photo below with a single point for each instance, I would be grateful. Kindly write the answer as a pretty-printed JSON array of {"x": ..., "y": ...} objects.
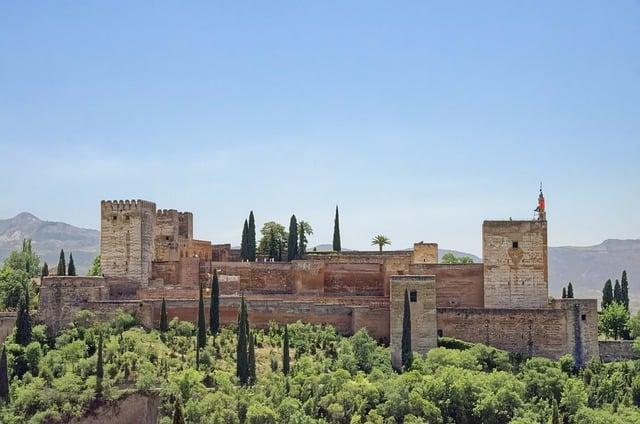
[
  {"x": 607, "y": 294},
  {"x": 62, "y": 264},
  {"x": 244, "y": 244},
  {"x": 450, "y": 258},
  {"x": 613, "y": 320},
  {"x": 202, "y": 325},
  {"x": 286, "y": 360},
  {"x": 4, "y": 377},
  {"x": 178, "y": 417},
  {"x": 570, "y": 291},
  {"x": 555, "y": 414},
  {"x": 252, "y": 237},
  {"x": 96, "y": 267},
  {"x": 99, "y": 369},
  {"x": 214, "y": 305},
  {"x": 242, "y": 348},
  {"x": 624, "y": 289},
  {"x": 12, "y": 287},
  {"x": 292, "y": 244},
  {"x": 617, "y": 293},
  {"x": 337, "y": 247},
  {"x": 274, "y": 238},
  {"x": 564, "y": 292},
  {"x": 45, "y": 270},
  {"x": 274, "y": 247},
  {"x": 252, "y": 359},
  {"x": 407, "y": 352},
  {"x": 24, "y": 260},
  {"x": 23, "y": 321},
  {"x": 71, "y": 269},
  {"x": 304, "y": 229},
  {"x": 380, "y": 241},
  {"x": 164, "y": 321}
]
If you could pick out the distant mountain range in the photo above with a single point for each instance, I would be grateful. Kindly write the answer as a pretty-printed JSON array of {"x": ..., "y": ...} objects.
[{"x": 586, "y": 267}]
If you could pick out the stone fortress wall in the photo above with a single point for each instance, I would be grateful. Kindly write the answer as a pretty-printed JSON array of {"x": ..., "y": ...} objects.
[{"x": 151, "y": 254}]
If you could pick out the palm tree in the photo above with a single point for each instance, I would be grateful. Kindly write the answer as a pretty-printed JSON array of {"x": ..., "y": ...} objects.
[{"x": 380, "y": 241}]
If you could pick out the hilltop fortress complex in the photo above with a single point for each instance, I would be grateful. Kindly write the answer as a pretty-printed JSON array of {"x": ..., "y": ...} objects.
[{"x": 149, "y": 254}]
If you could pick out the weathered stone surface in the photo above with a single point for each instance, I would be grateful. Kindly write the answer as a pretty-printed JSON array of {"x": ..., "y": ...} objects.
[
  {"x": 135, "y": 408},
  {"x": 617, "y": 350},
  {"x": 459, "y": 285}
]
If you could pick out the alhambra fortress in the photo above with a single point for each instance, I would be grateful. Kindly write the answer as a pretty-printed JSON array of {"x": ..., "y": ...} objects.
[{"x": 149, "y": 254}]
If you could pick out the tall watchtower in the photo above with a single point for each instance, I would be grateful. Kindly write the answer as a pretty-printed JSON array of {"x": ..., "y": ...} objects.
[
  {"x": 516, "y": 272},
  {"x": 127, "y": 239}
]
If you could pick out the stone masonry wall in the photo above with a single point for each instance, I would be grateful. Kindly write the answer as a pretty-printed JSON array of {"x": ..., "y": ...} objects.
[
  {"x": 166, "y": 235},
  {"x": 617, "y": 350},
  {"x": 515, "y": 264},
  {"x": 460, "y": 285},
  {"x": 425, "y": 253}
]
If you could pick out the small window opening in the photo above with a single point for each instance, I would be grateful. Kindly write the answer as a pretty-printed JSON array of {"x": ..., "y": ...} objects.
[
  {"x": 514, "y": 244},
  {"x": 413, "y": 296},
  {"x": 440, "y": 333},
  {"x": 584, "y": 317}
]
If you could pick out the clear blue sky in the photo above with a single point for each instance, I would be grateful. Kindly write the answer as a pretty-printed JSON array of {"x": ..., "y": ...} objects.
[{"x": 420, "y": 119}]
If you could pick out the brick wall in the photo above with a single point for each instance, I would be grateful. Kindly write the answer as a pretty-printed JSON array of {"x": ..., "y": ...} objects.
[
  {"x": 459, "y": 286},
  {"x": 617, "y": 350}
]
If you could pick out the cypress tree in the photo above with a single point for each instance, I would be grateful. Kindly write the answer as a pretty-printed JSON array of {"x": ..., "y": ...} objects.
[
  {"x": 555, "y": 418},
  {"x": 214, "y": 305},
  {"x": 564, "y": 292},
  {"x": 244, "y": 244},
  {"x": 624, "y": 286},
  {"x": 164, "y": 322},
  {"x": 607, "y": 294},
  {"x": 252, "y": 359},
  {"x": 23, "y": 321},
  {"x": 45, "y": 270},
  {"x": 99, "y": 370},
  {"x": 62, "y": 264},
  {"x": 178, "y": 418},
  {"x": 242, "y": 349},
  {"x": 617, "y": 292},
  {"x": 407, "y": 352},
  {"x": 202, "y": 325},
  {"x": 570, "y": 291},
  {"x": 336, "y": 233},
  {"x": 252, "y": 237},
  {"x": 285, "y": 351},
  {"x": 4, "y": 377},
  {"x": 71, "y": 270},
  {"x": 292, "y": 245}
]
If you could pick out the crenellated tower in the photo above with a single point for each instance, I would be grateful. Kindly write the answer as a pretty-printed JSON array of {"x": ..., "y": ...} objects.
[{"x": 127, "y": 232}]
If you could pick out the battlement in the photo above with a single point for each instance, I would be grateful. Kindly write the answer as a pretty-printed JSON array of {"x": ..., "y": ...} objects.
[
  {"x": 166, "y": 213},
  {"x": 124, "y": 205}
]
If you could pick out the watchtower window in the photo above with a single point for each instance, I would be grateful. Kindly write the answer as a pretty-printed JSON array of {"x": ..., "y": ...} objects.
[
  {"x": 584, "y": 317},
  {"x": 413, "y": 296},
  {"x": 440, "y": 333},
  {"x": 514, "y": 244}
]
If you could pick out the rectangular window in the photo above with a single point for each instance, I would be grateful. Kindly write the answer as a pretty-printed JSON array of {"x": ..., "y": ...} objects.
[
  {"x": 584, "y": 317},
  {"x": 413, "y": 296},
  {"x": 514, "y": 244}
]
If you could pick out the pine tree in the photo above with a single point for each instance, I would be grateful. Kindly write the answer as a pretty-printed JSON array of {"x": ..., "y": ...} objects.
[
  {"x": 71, "y": 270},
  {"x": 407, "y": 352},
  {"x": 202, "y": 325},
  {"x": 564, "y": 292},
  {"x": 4, "y": 377},
  {"x": 617, "y": 292},
  {"x": 45, "y": 270},
  {"x": 178, "y": 418},
  {"x": 252, "y": 359},
  {"x": 624, "y": 286},
  {"x": 23, "y": 320},
  {"x": 214, "y": 305},
  {"x": 244, "y": 245},
  {"x": 570, "y": 291},
  {"x": 99, "y": 370},
  {"x": 285, "y": 352},
  {"x": 336, "y": 232},
  {"x": 62, "y": 264},
  {"x": 164, "y": 321},
  {"x": 242, "y": 349},
  {"x": 252, "y": 237},
  {"x": 607, "y": 294},
  {"x": 555, "y": 418},
  {"x": 292, "y": 245}
]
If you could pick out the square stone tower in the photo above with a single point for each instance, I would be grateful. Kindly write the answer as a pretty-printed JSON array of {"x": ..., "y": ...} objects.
[
  {"x": 515, "y": 264},
  {"x": 422, "y": 304},
  {"x": 127, "y": 231}
]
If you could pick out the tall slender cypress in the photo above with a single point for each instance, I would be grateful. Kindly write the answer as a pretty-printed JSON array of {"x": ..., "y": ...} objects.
[
  {"x": 242, "y": 348},
  {"x": 62, "y": 264},
  {"x": 45, "y": 270},
  {"x": 71, "y": 270},
  {"x": 564, "y": 292},
  {"x": 178, "y": 418},
  {"x": 164, "y": 322},
  {"x": 407, "y": 352},
  {"x": 337, "y": 246},
  {"x": 607, "y": 294},
  {"x": 617, "y": 292},
  {"x": 292, "y": 245},
  {"x": 285, "y": 351},
  {"x": 252, "y": 359},
  {"x": 555, "y": 414},
  {"x": 570, "y": 291},
  {"x": 4, "y": 377},
  {"x": 99, "y": 370},
  {"x": 214, "y": 305},
  {"x": 23, "y": 320},
  {"x": 252, "y": 237},
  {"x": 202, "y": 325},
  {"x": 624, "y": 287},
  {"x": 244, "y": 244}
]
